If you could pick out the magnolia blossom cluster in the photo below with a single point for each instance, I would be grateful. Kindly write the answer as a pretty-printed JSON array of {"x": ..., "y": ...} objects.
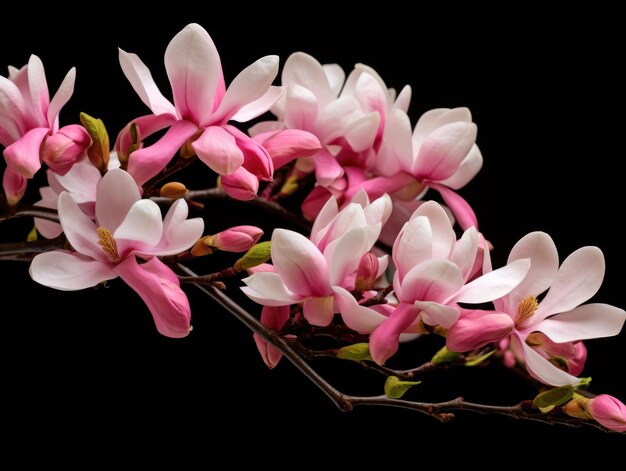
[{"x": 380, "y": 259}]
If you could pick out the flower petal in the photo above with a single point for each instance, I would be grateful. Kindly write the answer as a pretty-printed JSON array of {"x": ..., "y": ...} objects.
[
  {"x": 318, "y": 310},
  {"x": 327, "y": 169},
  {"x": 578, "y": 279},
  {"x": 146, "y": 162},
  {"x": 384, "y": 340},
  {"x": 142, "y": 82},
  {"x": 78, "y": 228},
  {"x": 343, "y": 254},
  {"x": 477, "y": 328},
  {"x": 465, "y": 251},
  {"x": 268, "y": 289},
  {"x": 432, "y": 280},
  {"x": 23, "y": 156},
  {"x": 444, "y": 236},
  {"x": 362, "y": 133},
  {"x": 275, "y": 318},
  {"x": 68, "y": 271},
  {"x": 468, "y": 169},
  {"x": 544, "y": 265},
  {"x": 358, "y": 318},
  {"x": 412, "y": 246},
  {"x": 336, "y": 77},
  {"x": 194, "y": 70},
  {"x": 495, "y": 284},
  {"x": 142, "y": 224},
  {"x": 540, "y": 368},
  {"x": 287, "y": 145},
  {"x": 590, "y": 321},
  {"x": 218, "y": 149},
  {"x": 437, "y": 314},
  {"x": 461, "y": 209},
  {"x": 14, "y": 186},
  {"x": 304, "y": 70},
  {"x": 117, "y": 192},
  {"x": 252, "y": 84},
  {"x": 60, "y": 98},
  {"x": 38, "y": 90},
  {"x": 300, "y": 263},
  {"x": 159, "y": 288}
]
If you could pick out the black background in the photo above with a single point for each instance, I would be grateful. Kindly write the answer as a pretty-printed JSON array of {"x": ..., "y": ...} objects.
[{"x": 88, "y": 368}]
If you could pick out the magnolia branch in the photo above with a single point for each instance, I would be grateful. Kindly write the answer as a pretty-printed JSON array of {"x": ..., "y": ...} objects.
[{"x": 439, "y": 410}]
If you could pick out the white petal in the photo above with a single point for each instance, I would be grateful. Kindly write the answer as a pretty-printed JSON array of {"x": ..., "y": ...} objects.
[
  {"x": 143, "y": 224},
  {"x": 301, "y": 108},
  {"x": 495, "y": 284},
  {"x": 268, "y": 289},
  {"x": 413, "y": 245},
  {"x": 302, "y": 69},
  {"x": 444, "y": 236},
  {"x": 142, "y": 82},
  {"x": 437, "y": 314},
  {"x": 468, "y": 169},
  {"x": 544, "y": 265},
  {"x": 259, "y": 106},
  {"x": 117, "y": 192},
  {"x": 78, "y": 228},
  {"x": 251, "y": 84},
  {"x": 540, "y": 368},
  {"x": 343, "y": 254},
  {"x": 578, "y": 279},
  {"x": 465, "y": 250},
  {"x": 61, "y": 97},
  {"x": 590, "y": 321},
  {"x": 68, "y": 271},
  {"x": 335, "y": 76},
  {"x": 358, "y": 318},
  {"x": 363, "y": 132}
]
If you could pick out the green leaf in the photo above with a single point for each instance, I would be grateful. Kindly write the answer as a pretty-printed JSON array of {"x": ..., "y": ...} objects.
[
  {"x": 444, "y": 356},
  {"x": 100, "y": 149},
  {"x": 395, "y": 387},
  {"x": 474, "y": 361},
  {"x": 259, "y": 253},
  {"x": 32, "y": 235},
  {"x": 554, "y": 397},
  {"x": 355, "y": 352},
  {"x": 584, "y": 383}
]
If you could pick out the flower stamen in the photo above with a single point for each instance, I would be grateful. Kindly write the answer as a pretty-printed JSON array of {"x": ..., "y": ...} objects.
[
  {"x": 108, "y": 244},
  {"x": 526, "y": 309}
]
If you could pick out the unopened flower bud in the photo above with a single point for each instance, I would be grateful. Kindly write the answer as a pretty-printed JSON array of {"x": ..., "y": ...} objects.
[
  {"x": 477, "y": 328},
  {"x": 257, "y": 255},
  {"x": 64, "y": 148},
  {"x": 608, "y": 411},
  {"x": 173, "y": 190},
  {"x": 240, "y": 184},
  {"x": 367, "y": 272},
  {"x": 237, "y": 239},
  {"x": 14, "y": 186}
]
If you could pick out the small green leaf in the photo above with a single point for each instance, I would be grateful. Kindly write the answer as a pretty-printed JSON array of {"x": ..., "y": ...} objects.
[
  {"x": 554, "y": 397},
  {"x": 584, "y": 383},
  {"x": 444, "y": 356},
  {"x": 32, "y": 235},
  {"x": 474, "y": 361},
  {"x": 355, "y": 352},
  {"x": 100, "y": 149},
  {"x": 545, "y": 410},
  {"x": 395, "y": 388},
  {"x": 260, "y": 253}
]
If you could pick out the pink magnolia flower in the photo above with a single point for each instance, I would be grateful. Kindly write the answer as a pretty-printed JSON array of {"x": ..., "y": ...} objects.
[
  {"x": 29, "y": 126},
  {"x": 433, "y": 272},
  {"x": 542, "y": 330},
  {"x": 81, "y": 182},
  {"x": 608, "y": 411},
  {"x": 347, "y": 115},
  {"x": 275, "y": 318},
  {"x": 440, "y": 153},
  {"x": 126, "y": 228},
  {"x": 308, "y": 271},
  {"x": 201, "y": 110}
]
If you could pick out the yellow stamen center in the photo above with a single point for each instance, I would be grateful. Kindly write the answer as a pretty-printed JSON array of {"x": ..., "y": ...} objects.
[
  {"x": 107, "y": 242},
  {"x": 526, "y": 309}
]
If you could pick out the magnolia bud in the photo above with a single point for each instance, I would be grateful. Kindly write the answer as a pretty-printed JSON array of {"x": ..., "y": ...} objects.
[
  {"x": 173, "y": 190},
  {"x": 237, "y": 239},
  {"x": 367, "y": 272},
  {"x": 477, "y": 328},
  {"x": 608, "y": 411},
  {"x": 64, "y": 148},
  {"x": 258, "y": 254},
  {"x": 14, "y": 186},
  {"x": 240, "y": 184},
  {"x": 577, "y": 407}
]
